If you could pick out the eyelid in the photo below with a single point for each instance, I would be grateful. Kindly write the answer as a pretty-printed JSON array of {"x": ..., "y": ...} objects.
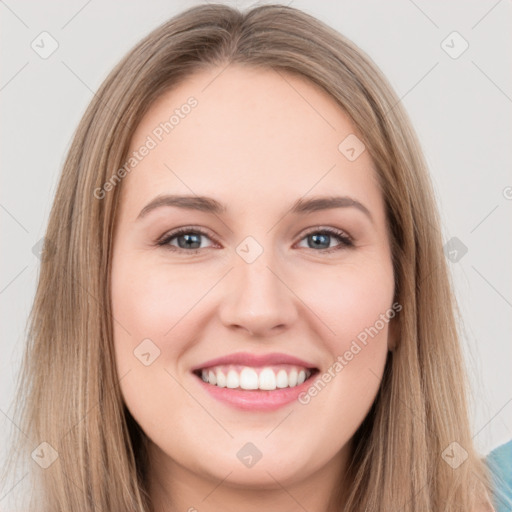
[
  {"x": 328, "y": 229},
  {"x": 173, "y": 233},
  {"x": 345, "y": 239}
]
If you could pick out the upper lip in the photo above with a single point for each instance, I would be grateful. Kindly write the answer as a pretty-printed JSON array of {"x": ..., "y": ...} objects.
[{"x": 247, "y": 359}]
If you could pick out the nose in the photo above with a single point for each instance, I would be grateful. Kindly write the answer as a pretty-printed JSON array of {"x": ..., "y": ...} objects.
[{"x": 258, "y": 299}]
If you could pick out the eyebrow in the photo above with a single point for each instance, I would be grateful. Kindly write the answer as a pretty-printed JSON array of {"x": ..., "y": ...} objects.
[{"x": 210, "y": 205}]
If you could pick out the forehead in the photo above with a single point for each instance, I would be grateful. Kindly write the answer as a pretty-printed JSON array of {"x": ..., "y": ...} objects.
[{"x": 257, "y": 136}]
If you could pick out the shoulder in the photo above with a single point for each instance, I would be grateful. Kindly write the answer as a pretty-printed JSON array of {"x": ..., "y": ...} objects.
[{"x": 499, "y": 461}]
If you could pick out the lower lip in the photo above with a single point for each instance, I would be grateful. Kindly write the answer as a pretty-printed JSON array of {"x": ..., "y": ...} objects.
[{"x": 255, "y": 400}]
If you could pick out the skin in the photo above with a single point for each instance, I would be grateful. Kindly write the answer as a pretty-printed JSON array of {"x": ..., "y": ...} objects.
[{"x": 257, "y": 141}]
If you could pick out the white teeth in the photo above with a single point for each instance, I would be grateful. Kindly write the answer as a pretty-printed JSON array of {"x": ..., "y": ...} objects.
[
  {"x": 246, "y": 377},
  {"x": 267, "y": 379},
  {"x": 221, "y": 379},
  {"x": 232, "y": 380},
  {"x": 282, "y": 379}
]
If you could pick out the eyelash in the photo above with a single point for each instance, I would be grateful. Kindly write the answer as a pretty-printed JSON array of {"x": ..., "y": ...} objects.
[{"x": 346, "y": 241}]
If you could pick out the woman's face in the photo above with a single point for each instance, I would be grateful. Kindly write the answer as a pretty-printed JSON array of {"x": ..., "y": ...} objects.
[{"x": 264, "y": 272}]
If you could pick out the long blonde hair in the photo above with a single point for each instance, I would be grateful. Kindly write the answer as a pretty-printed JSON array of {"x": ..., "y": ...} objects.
[{"x": 68, "y": 391}]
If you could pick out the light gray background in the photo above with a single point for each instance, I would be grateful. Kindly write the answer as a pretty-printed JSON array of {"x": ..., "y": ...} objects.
[{"x": 460, "y": 108}]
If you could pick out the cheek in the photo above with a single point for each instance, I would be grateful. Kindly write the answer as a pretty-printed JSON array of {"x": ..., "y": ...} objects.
[
  {"x": 351, "y": 301},
  {"x": 355, "y": 308},
  {"x": 147, "y": 304},
  {"x": 149, "y": 301},
  {"x": 356, "y": 305}
]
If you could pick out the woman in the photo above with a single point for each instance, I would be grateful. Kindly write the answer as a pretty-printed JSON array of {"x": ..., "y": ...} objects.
[{"x": 262, "y": 369}]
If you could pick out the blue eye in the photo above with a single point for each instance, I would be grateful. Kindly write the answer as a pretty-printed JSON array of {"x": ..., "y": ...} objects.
[
  {"x": 189, "y": 240},
  {"x": 322, "y": 238}
]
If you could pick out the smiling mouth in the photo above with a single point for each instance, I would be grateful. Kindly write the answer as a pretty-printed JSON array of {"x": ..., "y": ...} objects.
[{"x": 265, "y": 378}]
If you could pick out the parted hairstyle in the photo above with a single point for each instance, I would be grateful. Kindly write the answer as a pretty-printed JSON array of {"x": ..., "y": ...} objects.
[{"x": 68, "y": 393}]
